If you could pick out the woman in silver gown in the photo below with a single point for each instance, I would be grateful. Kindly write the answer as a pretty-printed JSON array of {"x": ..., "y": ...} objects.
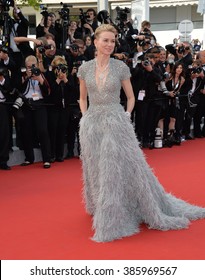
[{"x": 120, "y": 189}]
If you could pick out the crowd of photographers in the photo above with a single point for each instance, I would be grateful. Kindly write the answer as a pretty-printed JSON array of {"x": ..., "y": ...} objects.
[{"x": 39, "y": 89}]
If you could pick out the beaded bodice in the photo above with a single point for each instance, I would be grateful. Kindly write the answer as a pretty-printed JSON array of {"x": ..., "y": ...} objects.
[{"x": 109, "y": 92}]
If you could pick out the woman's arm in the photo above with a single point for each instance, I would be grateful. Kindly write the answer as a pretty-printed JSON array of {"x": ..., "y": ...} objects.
[
  {"x": 126, "y": 84},
  {"x": 83, "y": 96},
  {"x": 18, "y": 40}
]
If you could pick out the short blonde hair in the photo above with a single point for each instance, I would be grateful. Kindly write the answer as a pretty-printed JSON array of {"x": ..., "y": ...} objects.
[
  {"x": 58, "y": 60},
  {"x": 105, "y": 28}
]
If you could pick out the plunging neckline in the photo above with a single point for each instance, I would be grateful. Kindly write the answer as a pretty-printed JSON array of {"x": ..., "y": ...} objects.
[{"x": 104, "y": 79}]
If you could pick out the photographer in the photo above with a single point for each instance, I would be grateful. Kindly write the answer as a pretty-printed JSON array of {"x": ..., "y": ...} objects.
[
  {"x": 88, "y": 22},
  {"x": 182, "y": 53},
  {"x": 17, "y": 27},
  {"x": 5, "y": 89},
  {"x": 199, "y": 131},
  {"x": 61, "y": 97},
  {"x": 145, "y": 79},
  {"x": 46, "y": 53},
  {"x": 76, "y": 58},
  {"x": 45, "y": 26},
  {"x": 8, "y": 67},
  {"x": 6, "y": 60},
  {"x": 194, "y": 84},
  {"x": 31, "y": 100},
  {"x": 73, "y": 34}
]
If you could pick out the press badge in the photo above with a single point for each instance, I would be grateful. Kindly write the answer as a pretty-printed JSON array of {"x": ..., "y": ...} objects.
[
  {"x": 35, "y": 96},
  {"x": 141, "y": 95}
]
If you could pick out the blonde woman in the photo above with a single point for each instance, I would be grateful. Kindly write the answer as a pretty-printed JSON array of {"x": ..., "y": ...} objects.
[
  {"x": 61, "y": 84},
  {"x": 120, "y": 190}
]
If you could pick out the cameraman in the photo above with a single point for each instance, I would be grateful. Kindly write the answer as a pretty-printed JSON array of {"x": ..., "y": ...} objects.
[
  {"x": 195, "y": 83},
  {"x": 46, "y": 53},
  {"x": 61, "y": 84},
  {"x": 88, "y": 22},
  {"x": 45, "y": 26},
  {"x": 31, "y": 100},
  {"x": 182, "y": 53},
  {"x": 199, "y": 131},
  {"x": 5, "y": 89},
  {"x": 76, "y": 58},
  {"x": 8, "y": 66},
  {"x": 145, "y": 79},
  {"x": 75, "y": 55},
  {"x": 18, "y": 27},
  {"x": 73, "y": 34}
]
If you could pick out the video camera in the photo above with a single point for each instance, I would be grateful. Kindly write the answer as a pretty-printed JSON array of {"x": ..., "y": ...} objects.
[
  {"x": 83, "y": 17},
  {"x": 6, "y": 4},
  {"x": 45, "y": 14},
  {"x": 103, "y": 17},
  {"x": 65, "y": 12},
  {"x": 122, "y": 13}
]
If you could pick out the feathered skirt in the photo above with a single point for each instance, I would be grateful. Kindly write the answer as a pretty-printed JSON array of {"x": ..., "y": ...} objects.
[{"x": 120, "y": 189}]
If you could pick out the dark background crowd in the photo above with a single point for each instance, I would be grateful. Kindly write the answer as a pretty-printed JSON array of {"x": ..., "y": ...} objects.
[{"x": 39, "y": 88}]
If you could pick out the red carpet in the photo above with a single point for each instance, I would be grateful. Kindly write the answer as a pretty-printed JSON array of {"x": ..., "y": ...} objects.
[{"x": 42, "y": 215}]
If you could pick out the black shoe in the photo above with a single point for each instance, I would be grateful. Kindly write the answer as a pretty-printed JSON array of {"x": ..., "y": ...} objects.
[
  {"x": 59, "y": 159},
  {"x": 53, "y": 160},
  {"x": 189, "y": 137},
  {"x": 69, "y": 155},
  {"x": 26, "y": 163},
  {"x": 151, "y": 145},
  {"x": 198, "y": 135},
  {"x": 46, "y": 165},
  {"x": 145, "y": 144},
  {"x": 4, "y": 166}
]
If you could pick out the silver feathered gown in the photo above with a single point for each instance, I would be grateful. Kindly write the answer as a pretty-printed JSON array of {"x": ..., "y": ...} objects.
[{"x": 120, "y": 189}]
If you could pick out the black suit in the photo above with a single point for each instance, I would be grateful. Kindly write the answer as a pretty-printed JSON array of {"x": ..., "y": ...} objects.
[{"x": 4, "y": 123}]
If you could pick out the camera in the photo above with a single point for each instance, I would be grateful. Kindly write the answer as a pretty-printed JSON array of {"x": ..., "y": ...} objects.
[
  {"x": 146, "y": 62},
  {"x": 196, "y": 70},
  {"x": 45, "y": 14},
  {"x": 65, "y": 12},
  {"x": 103, "y": 17},
  {"x": 5, "y": 4},
  {"x": 61, "y": 67},
  {"x": 77, "y": 63},
  {"x": 121, "y": 17},
  {"x": 165, "y": 75},
  {"x": 18, "y": 103},
  {"x": 3, "y": 71},
  {"x": 83, "y": 17},
  {"x": 122, "y": 13},
  {"x": 181, "y": 49},
  {"x": 147, "y": 34},
  {"x": 4, "y": 49},
  {"x": 35, "y": 71},
  {"x": 43, "y": 48},
  {"x": 73, "y": 47},
  {"x": 143, "y": 43}
]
